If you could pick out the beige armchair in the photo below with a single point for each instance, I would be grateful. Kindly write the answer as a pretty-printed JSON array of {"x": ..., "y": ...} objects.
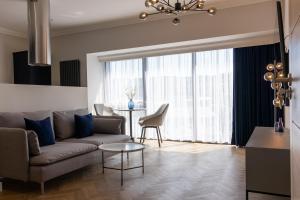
[
  {"x": 154, "y": 121},
  {"x": 102, "y": 110}
]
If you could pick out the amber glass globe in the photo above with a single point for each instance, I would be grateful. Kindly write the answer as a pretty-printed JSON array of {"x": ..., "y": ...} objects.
[
  {"x": 278, "y": 102},
  {"x": 269, "y": 76},
  {"x": 154, "y": 1},
  {"x": 200, "y": 5},
  {"x": 270, "y": 67},
  {"x": 212, "y": 11},
  {"x": 148, "y": 3},
  {"x": 280, "y": 74},
  {"x": 279, "y": 66},
  {"x": 160, "y": 7},
  {"x": 276, "y": 86},
  {"x": 143, "y": 15}
]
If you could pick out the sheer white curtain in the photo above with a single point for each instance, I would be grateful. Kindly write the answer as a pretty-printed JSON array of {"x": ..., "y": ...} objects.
[
  {"x": 214, "y": 94},
  {"x": 169, "y": 80},
  {"x": 120, "y": 75},
  {"x": 198, "y": 87}
]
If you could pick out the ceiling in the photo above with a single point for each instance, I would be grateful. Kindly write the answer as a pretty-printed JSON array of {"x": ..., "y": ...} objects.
[{"x": 68, "y": 14}]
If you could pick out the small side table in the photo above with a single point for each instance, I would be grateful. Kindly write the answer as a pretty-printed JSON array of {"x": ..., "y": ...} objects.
[
  {"x": 122, "y": 148},
  {"x": 130, "y": 117}
]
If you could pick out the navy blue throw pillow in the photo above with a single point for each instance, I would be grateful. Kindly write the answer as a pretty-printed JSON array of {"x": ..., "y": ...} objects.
[
  {"x": 83, "y": 125},
  {"x": 43, "y": 130}
]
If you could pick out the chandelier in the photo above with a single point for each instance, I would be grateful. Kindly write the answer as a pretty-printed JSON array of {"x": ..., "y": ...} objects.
[
  {"x": 170, "y": 8},
  {"x": 280, "y": 83}
]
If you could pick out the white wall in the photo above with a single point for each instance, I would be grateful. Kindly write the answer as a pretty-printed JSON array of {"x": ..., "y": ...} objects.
[
  {"x": 231, "y": 21},
  {"x": 95, "y": 72},
  {"x": 31, "y": 97},
  {"x": 8, "y": 45},
  {"x": 16, "y": 98},
  {"x": 228, "y": 22}
]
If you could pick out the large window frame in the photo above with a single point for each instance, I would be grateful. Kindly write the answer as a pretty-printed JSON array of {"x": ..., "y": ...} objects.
[{"x": 194, "y": 92}]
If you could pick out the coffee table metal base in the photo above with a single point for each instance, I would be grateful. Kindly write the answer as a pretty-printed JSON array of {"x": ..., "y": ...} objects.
[{"x": 122, "y": 169}]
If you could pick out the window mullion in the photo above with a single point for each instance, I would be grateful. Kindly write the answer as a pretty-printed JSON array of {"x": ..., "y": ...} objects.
[
  {"x": 106, "y": 65},
  {"x": 194, "y": 96},
  {"x": 144, "y": 68}
]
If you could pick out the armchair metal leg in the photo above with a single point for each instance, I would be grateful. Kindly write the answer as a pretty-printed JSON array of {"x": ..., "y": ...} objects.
[
  {"x": 142, "y": 135},
  {"x": 161, "y": 141},
  {"x": 42, "y": 188},
  {"x": 158, "y": 139}
]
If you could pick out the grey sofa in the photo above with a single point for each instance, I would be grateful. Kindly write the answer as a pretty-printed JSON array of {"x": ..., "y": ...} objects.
[{"x": 66, "y": 155}]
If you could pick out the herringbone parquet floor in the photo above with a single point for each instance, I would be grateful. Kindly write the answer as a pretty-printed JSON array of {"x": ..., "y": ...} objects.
[{"x": 177, "y": 171}]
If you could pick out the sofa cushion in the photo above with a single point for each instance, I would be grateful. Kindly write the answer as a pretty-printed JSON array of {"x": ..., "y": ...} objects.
[
  {"x": 43, "y": 129},
  {"x": 16, "y": 119},
  {"x": 33, "y": 143},
  {"x": 98, "y": 139},
  {"x": 64, "y": 124},
  {"x": 61, "y": 151},
  {"x": 83, "y": 125},
  {"x": 104, "y": 125}
]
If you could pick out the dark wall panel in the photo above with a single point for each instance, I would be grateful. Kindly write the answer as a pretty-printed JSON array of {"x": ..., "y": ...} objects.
[
  {"x": 25, "y": 74},
  {"x": 70, "y": 73}
]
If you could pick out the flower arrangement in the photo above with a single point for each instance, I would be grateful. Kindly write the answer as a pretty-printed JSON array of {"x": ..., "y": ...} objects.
[{"x": 130, "y": 92}]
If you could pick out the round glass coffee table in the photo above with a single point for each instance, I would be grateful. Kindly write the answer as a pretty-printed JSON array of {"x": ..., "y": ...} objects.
[{"x": 122, "y": 148}]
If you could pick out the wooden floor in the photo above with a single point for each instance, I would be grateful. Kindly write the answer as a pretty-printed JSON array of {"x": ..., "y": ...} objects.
[{"x": 177, "y": 171}]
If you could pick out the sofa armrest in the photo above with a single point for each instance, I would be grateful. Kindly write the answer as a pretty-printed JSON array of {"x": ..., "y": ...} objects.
[
  {"x": 105, "y": 118},
  {"x": 14, "y": 154}
]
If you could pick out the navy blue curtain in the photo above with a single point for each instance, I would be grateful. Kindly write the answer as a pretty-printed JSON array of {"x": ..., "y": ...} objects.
[{"x": 252, "y": 95}]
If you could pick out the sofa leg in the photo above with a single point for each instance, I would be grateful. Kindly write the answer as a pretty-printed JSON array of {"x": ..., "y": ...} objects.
[{"x": 42, "y": 188}]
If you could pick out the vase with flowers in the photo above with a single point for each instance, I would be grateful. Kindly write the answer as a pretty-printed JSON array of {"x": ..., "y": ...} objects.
[{"x": 130, "y": 93}]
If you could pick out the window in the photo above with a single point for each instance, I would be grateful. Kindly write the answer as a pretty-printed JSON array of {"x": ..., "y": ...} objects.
[
  {"x": 214, "y": 95},
  {"x": 169, "y": 80},
  {"x": 198, "y": 87},
  {"x": 120, "y": 75}
]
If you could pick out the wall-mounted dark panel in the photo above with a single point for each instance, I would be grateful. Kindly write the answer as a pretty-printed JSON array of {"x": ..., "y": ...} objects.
[
  {"x": 25, "y": 74},
  {"x": 70, "y": 73},
  {"x": 21, "y": 69}
]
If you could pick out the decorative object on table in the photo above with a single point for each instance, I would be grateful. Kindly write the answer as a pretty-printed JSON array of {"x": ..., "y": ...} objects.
[
  {"x": 130, "y": 104},
  {"x": 130, "y": 93},
  {"x": 180, "y": 7},
  {"x": 279, "y": 126},
  {"x": 154, "y": 121}
]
